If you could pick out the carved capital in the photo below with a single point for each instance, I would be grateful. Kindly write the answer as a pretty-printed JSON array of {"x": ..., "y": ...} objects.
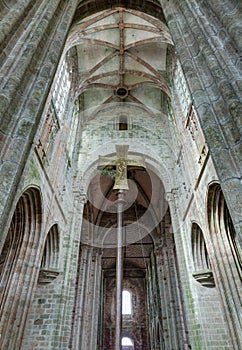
[
  {"x": 80, "y": 197},
  {"x": 171, "y": 196}
]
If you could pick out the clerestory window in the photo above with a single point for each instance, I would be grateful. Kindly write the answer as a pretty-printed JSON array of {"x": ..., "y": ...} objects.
[{"x": 61, "y": 89}]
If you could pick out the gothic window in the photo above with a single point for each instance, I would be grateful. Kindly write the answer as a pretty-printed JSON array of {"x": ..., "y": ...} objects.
[
  {"x": 202, "y": 273},
  {"x": 182, "y": 89},
  {"x": 198, "y": 140},
  {"x": 55, "y": 112},
  {"x": 50, "y": 259},
  {"x": 49, "y": 131},
  {"x": 126, "y": 303},
  {"x": 61, "y": 89},
  {"x": 127, "y": 343}
]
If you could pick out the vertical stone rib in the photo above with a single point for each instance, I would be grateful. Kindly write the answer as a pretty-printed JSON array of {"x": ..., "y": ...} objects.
[
  {"x": 214, "y": 98},
  {"x": 32, "y": 84},
  {"x": 79, "y": 302},
  {"x": 83, "y": 333},
  {"x": 18, "y": 291},
  {"x": 225, "y": 274},
  {"x": 31, "y": 57},
  {"x": 229, "y": 9},
  {"x": 13, "y": 16},
  {"x": 96, "y": 300}
]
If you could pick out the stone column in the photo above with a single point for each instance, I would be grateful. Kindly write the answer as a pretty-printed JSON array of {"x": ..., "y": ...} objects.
[
  {"x": 89, "y": 305},
  {"x": 72, "y": 241},
  {"x": 229, "y": 9},
  {"x": 215, "y": 95},
  {"x": 194, "y": 338},
  {"x": 171, "y": 334},
  {"x": 82, "y": 283},
  {"x": 96, "y": 298},
  {"x": 87, "y": 299},
  {"x": 33, "y": 35}
]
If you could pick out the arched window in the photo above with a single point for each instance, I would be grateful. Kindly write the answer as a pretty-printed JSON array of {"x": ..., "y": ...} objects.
[
  {"x": 126, "y": 303},
  {"x": 127, "y": 343},
  {"x": 55, "y": 113},
  {"x": 61, "y": 89},
  {"x": 203, "y": 273},
  {"x": 182, "y": 89}
]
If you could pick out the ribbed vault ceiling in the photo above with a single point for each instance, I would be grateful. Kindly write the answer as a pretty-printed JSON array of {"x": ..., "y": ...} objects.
[
  {"x": 122, "y": 52},
  {"x": 121, "y": 57}
]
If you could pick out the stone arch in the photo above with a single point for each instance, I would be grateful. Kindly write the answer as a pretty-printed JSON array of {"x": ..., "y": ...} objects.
[
  {"x": 226, "y": 258},
  {"x": 18, "y": 275},
  {"x": 202, "y": 265},
  {"x": 49, "y": 268},
  {"x": 220, "y": 223},
  {"x": 152, "y": 162}
]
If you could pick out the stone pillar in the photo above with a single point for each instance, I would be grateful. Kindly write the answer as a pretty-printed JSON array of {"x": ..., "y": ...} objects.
[
  {"x": 33, "y": 35},
  {"x": 96, "y": 298},
  {"x": 80, "y": 297},
  {"x": 229, "y": 9},
  {"x": 214, "y": 91},
  {"x": 171, "y": 334},
  {"x": 190, "y": 335},
  {"x": 85, "y": 326},
  {"x": 72, "y": 241}
]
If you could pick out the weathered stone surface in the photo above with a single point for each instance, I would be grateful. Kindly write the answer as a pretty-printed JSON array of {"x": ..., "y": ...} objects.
[{"x": 60, "y": 111}]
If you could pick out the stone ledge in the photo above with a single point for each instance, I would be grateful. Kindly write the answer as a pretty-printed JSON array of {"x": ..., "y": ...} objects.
[
  {"x": 47, "y": 275},
  {"x": 205, "y": 278}
]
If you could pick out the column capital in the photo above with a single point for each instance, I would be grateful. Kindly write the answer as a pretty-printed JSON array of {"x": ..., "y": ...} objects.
[
  {"x": 80, "y": 197},
  {"x": 171, "y": 196}
]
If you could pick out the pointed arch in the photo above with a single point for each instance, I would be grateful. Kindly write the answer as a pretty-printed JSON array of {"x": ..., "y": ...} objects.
[
  {"x": 202, "y": 265},
  {"x": 226, "y": 257},
  {"x": 221, "y": 225},
  {"x": 49, "y": 268},
  {"x": 19, "y": 260}
]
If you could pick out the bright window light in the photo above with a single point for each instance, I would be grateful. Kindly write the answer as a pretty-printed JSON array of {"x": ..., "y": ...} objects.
[
  {"x": 127, "y": 341},
  {"x": 126, "y": 303}
]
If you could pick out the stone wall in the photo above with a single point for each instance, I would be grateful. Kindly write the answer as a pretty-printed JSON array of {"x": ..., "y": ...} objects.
[{"x": 187, "y": 152}]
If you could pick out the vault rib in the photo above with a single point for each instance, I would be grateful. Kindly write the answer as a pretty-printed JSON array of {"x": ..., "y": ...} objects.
[
  {"x": 98, "y": 18},
  {"x": 146, "y": 65},
  {"x": 97, "y": 66},
  {"x": 147, "y": 41}
]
